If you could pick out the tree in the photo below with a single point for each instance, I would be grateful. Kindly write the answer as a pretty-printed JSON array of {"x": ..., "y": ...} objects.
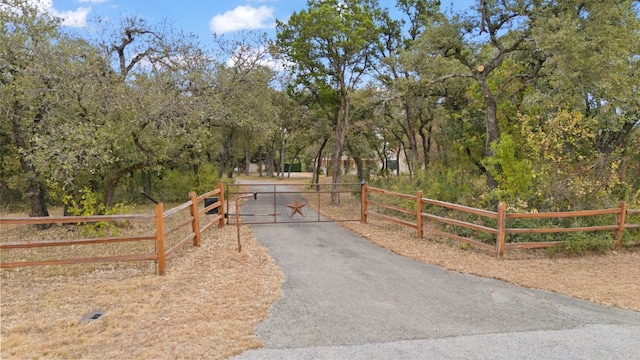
[
  {"x": 332, "y": 45},
  {"x": 481, "y": 42},
  {"x": 398, "y": 78},
  {"x": 42, "y": 100},
  {"x": 243, "y": 106},
  {"x": 148, "y": 123},
  {"x": 595, "y": 66}
]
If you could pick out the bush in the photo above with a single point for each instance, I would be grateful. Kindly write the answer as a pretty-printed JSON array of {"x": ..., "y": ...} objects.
[
  {"x": 88, "y": 205},
  {"x": 175, "y": 184}
]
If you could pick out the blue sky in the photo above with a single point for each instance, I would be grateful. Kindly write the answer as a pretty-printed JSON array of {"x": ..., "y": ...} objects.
[{"x": 200, "y": 17}]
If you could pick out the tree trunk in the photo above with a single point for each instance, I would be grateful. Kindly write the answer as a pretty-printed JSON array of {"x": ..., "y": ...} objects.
[
  {"x": 270, "y": 161},
  {"x": 401, "y": 148},
  {"x": 260, "y": 161},
  {"x": 340, "y": 133},
  {"x": 247, "y": 162},
  {"x": 36, "y": 191},
  {"x": 196, "y": 174},
  {"x": 426, "y": 144},
  {"x": 411, "y": 134},
  {"x": 493, "y": 133},
  {"x": 282, "y": 150},
  {"x": 398, "y": 160},
  {"x": 110, "y": 191},
  {"x": 347, "y": 165},
  {"x": 112, "y": 183},
  {"x": 146, "y": 182},
  {"x": 359, "y": 168},
  {"x": 318, "y": 164},
  {"x": 227, "y": 161}
]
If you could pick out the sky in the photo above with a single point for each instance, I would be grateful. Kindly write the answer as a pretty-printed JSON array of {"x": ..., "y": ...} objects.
[{"x": 200, "y": 17}]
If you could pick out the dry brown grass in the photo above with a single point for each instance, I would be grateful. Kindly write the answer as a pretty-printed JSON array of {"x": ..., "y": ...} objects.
[{"x": 207, "y": 306}]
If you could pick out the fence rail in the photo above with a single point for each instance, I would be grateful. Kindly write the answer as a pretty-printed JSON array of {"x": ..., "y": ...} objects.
[
  {"x": 160, "y": 255},
  {"x": 500, "y": 231},
  {"x": 630, "y": 225}
]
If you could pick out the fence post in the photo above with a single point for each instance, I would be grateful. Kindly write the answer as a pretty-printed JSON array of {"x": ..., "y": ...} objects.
[
  {"x": 363, "y": 202},
  {"x": 419, "y": 214},
  {"x": 195, "y": 223},
  {"x": 620, "y": 221},
  {"x": 160, "y": 238},
  {"x": 221, "y": 208},
  {"x": 502, "y": 217}
]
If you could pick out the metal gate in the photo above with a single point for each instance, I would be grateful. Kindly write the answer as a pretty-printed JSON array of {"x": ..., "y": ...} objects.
[{"x": 251, "y": 202}]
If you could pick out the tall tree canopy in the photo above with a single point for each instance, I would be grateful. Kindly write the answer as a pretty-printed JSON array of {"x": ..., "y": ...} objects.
[{"x": 333, "y": 44}]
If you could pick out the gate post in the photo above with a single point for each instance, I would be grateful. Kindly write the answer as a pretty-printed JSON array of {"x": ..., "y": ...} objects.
[
  {"x": 501, "y": 228},
  {"x": 620, "y": 222},
  {"x": 363, "y": 202},
  {"x": 195, "y": 223},
  {"x": 221, "y": 213},
  {"x": 160, "y": 238},
  {"x": 419, "y": 214}
]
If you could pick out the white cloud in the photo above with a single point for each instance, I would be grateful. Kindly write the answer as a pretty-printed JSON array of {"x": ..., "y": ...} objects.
[
  {"x": 76, "y": 18},
  {"x": 241, "y": 18},
  {"x": 72, "y": 18}
]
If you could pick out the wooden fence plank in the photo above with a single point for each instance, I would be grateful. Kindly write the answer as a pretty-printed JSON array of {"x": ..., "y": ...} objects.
[
  {"x": 392, "y": 219},
  {"x": 463, "y": 239},
  {"x": 39, "y": 244},
  {"x": 460, "y": 223},
  {"x": 178, "y": 227},
  {"x": 533, "y": 245},
  {"x": 390, "y": 193},
  {"x": 215, "y": 205},
  {"x": 564, "y": 214},
  {"x": 466, "y": 209},
  {"x": 560, "y": 230},
  {"x": 212, "y": 192},
  {"x": 176, "y": 209},
  {"x": 180, "y": 244},
  {"x": 219, "y": 218},
  {"x": 391, "y": 207},
  {"x": 72, "y": 219},
  {"x": 139, "y": 257}
]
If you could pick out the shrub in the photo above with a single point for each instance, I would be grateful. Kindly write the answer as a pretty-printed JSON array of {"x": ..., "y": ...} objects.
[
  {"x": 175, "y": 184},
  {"x": 88, "y": 205}
]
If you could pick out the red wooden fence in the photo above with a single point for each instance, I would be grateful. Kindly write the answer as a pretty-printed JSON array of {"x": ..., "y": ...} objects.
[
  {"x": 500, "y": 231},
  {"x": 160, "y": 255}
]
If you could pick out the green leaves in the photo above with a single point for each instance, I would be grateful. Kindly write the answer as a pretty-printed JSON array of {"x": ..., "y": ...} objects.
[{"x": 331, "y": 41}]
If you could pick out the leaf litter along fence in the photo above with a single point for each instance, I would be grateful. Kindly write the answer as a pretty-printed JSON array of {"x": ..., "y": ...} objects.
[
  {"x": 166, "y": 244},
  {"x": 409, "y": 210}
]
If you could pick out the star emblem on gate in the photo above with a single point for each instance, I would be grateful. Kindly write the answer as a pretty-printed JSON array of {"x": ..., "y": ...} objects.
[{"x": 296, "y": 206}]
